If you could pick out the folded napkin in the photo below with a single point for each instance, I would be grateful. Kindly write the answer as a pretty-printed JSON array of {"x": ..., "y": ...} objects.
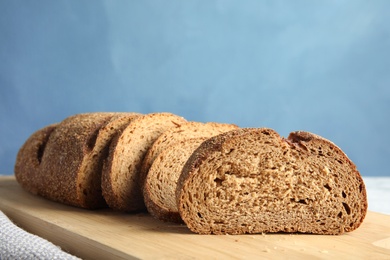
[{"x": 16, "y": 243}]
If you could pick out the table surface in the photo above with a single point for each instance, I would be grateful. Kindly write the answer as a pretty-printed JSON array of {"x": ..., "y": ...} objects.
[
  {"x": 114, "y": 235},
  {"x": 378, "y": 193},
  {"x": 378, "y": 190}
]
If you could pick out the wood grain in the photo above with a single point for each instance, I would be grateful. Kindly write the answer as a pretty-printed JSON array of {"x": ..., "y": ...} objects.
[{"x": 105, "y": 234}]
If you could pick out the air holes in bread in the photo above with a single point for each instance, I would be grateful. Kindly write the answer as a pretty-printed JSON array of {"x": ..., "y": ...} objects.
[
  {"x": 327, "y": 187},
  {"x": 266, "y": 133},
  {"x": 302, "y": 202},
  {"x": 218, "y": 182},
  {"x": 339, "y": 161},
  {"x": 347, "y": 208},
  {"x": 230, "y": 151}
]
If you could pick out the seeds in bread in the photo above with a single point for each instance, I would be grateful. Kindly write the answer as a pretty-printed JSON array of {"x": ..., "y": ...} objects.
[
  {"x": 160, "y": 184},
  {"x": 121, "y": 184},
  {"x": 29, "y": 158},
  {"x": 185, "y": 131},
  {"x": 254, "y": 181}
]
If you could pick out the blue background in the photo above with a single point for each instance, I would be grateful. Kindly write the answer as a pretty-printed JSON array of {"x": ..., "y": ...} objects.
[{"x": 320, "y": 66}]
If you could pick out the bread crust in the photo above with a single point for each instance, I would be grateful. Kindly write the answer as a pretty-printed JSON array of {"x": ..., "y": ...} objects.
[
  {"x": 29, "y": 157},
  {"x": 340, "y": 186},
  {"x": 61, "y": 163}
]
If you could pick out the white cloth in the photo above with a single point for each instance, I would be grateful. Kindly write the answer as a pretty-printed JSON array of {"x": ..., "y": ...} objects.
[{"x": 16, "y": 243}]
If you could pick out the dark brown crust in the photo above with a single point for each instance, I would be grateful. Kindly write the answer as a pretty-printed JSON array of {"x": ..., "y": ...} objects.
[
  {"x": 28, "y": 159},
  {"x": 63, "y": 156}
]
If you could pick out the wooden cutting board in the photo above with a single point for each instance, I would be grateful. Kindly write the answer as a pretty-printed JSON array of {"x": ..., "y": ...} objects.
[{"x": 105, "y": 234}]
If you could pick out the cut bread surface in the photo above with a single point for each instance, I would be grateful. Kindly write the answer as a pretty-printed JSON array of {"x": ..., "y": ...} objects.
[
  {"x": 185, "y": 131},
  {"x": 254, "y": 181},
  {"x": 90, "y": 173},
  {"x": 121, "y": 184},
  {"x": 160, "y": 184}
]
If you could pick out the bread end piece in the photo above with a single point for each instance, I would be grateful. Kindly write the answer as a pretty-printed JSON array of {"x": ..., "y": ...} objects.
[{"x": 29, "y": 158}]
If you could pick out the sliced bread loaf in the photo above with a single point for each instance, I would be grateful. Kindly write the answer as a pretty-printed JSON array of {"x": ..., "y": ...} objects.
[
  {"x": 254, "y": 181},
  {"x": 185, "y": 131},
  {"x": 160, "y": 184},
  {"x": 29, "y": 158},
  {"x": 121, "y": 184}
]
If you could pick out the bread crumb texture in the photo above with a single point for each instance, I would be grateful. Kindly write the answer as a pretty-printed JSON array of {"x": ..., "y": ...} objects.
[
  {"x": 122, "y": 176},
  {"x": 254, "y": 181}
]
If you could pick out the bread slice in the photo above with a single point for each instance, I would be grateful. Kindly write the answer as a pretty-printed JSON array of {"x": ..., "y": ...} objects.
[
  {"x": 121, "y": 184},
  {"x": 29, "y": 158},
  {"x": 90, "y": 173},
  {"x": 71, "y": 165},
  {"x": 254, "y": 181},
  {"x": 185, "y": 131},
  {"x": 160, "y": 184}
]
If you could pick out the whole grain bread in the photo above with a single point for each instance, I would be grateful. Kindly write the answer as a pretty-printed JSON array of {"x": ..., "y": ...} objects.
[
  {"x": 29, "y": 158},
  {"x": 121, "y": 185},
  {"x": 185, "y": 131},
  {"x": 160, "y": 184},
  {"x": 254, "y": 181}
]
